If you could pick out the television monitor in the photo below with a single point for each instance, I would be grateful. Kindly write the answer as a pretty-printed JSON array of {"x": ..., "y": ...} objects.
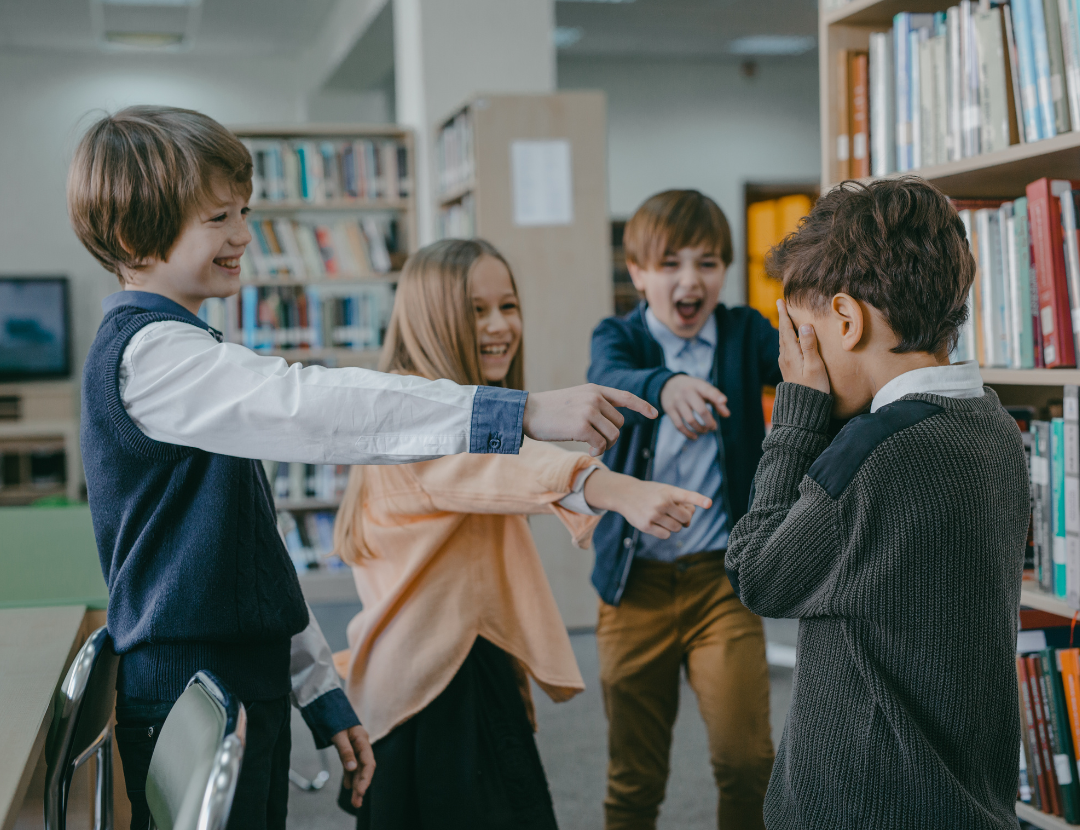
[{"x": 35, "y": 334}]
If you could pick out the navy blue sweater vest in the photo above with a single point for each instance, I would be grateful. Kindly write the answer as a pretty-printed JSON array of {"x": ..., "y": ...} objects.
[{"x": 198, "y": 576}]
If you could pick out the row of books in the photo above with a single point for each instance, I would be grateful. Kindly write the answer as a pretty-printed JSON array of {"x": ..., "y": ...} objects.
[
  {"x": 323, "y": 171},
  {"x": 454, "y": 151},
  {"x": 458, "y": 220},
  {"x": 1054, "y": 470},
  {"x": 309, "y": 250},
  {"x": 1048, "y": 681},
  {"x": 309, "y": 539},
  {"x": 1025, "y": 303},
  {"x": 270, "y": 318},
  {"x": 949, "y": 85}
]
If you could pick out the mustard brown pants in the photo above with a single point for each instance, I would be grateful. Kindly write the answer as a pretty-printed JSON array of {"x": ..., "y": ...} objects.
[{"x": 676, "y": 615}]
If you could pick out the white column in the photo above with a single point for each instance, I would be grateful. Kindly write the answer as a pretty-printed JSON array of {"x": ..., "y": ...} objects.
[{"x": 448, "y": 50}]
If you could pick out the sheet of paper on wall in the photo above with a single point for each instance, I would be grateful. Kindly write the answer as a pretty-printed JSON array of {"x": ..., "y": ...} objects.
[{"x": 543, "y": 191}]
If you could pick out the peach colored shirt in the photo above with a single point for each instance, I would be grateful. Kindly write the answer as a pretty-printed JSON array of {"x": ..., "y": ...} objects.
[{"x": 449, "y": 557}]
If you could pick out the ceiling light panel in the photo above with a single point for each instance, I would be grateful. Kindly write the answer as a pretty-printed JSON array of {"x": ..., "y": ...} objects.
[
  {"x": 147, "y": 24},
  {"x": 763, "y": 45}
]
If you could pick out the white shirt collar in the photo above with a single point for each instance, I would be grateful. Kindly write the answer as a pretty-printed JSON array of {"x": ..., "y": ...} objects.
[
  {"x": 669, "y": 340},
  {"x": 958, "y": 380}
]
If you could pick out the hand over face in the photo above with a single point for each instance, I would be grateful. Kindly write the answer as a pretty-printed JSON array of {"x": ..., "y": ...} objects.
[
  {"x": 689, "y": 401},
  {"x": 800, "y": 361}
]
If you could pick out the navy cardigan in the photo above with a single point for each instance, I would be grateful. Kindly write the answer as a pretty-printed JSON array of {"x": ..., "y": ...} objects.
[{"x": 626, "y": 356}]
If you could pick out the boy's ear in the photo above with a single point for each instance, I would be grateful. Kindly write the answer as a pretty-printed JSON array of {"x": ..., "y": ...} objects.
[
  {"x": 849, "y": 317},
  {"x": 636, "y": 275}
]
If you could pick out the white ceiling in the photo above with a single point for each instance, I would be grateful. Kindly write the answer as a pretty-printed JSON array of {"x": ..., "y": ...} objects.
[
  {"x": 237, "y": 26},
  {"x": 680, "y": 28}
]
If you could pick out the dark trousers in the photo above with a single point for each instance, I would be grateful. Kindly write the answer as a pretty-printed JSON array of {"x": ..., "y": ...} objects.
[
  {"x": 467, "y": 761},
  {"x": 262, "y": 791}
]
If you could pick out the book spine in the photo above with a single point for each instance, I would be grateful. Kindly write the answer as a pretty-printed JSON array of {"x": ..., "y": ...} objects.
[
  {"x": 1042, "y": 516},
  {"x": 1036, "y": 759},
  {"x": 1058, "y": 93},
  {"x": 1056, "y": 719},
  {"x": 1042, "y": 729},
  {"x": 1029, "y": 88},
  {"x": 927, "y": 136},
  {"x": 1071, "y": 449},
  {"x": 842, "y": 158},
  {"x": 965, "y": 343},
  {"x": 860, "y": 115},
  {"x": 1055, "y": 315},
  {"x": 1071, "y": 54},
  {"x": 1013, "y": 302},
  {"x": 1057, "y": 504},
  {"x": 1024, "y": 335},
  {"x": 1068, "y": 663},
  {"x": 882, "y": 142},
  {"x": 915, "y": 99},
  {"x": 1047, "y": 128},
  {"x": 1017, "y": 103},
  {"x": 954, "y": 67}
]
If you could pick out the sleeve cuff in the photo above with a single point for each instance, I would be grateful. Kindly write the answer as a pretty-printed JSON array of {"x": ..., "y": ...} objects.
[
  {"x": 802, "y": 407},
  {"x": 498, "y": 416},
  {"x": 327, "y": 715}
]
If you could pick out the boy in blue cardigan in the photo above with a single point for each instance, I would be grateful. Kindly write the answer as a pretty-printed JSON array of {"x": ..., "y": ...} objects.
[
  {"x": 173, "y": 424},
  {"x": 668, "y": 604}
]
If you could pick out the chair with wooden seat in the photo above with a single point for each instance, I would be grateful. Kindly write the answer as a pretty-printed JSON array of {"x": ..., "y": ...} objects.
[
  {"x": 82, "y": 729},
  {"x": 196, "y": 761}
]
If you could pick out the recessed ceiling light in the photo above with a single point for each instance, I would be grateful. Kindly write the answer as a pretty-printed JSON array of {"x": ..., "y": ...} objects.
[
  {"x": 565, "y": 36},
  {"x": 772, "y": 45},
  {"x": 145, "y": 40}
]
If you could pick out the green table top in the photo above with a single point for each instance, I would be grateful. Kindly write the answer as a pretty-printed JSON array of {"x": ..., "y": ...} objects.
[{"x": 48, "y": 557}]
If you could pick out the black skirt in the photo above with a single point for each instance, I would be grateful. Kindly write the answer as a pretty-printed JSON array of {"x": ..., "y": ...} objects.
[{"x": 468, "y": 760}]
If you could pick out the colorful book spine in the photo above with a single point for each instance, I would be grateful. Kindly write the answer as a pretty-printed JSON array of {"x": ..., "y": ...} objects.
[
  {"x": 1060, "y": 737},
  {"x": 858, "y": 75},
  {"x": 1067, "y": 196},
  {"x": 1029, "y": 88},
  {"x": 1071, "y": 450},
  {"x": 1055, "y": 314},
  {"x": 1057, "y": 504},
  {"x": 1042, "y": 515},
  {"x": 1015, "y": 87},
  {"x": 1047, "y": 126},
  {"x": 1042, "y": 728},
  {"x": 1068, "y": 663},
  {"x": 1030, "y": 706},
  {"x": 1059, "y": 98},
  {"x": 1023, "y": 342}
]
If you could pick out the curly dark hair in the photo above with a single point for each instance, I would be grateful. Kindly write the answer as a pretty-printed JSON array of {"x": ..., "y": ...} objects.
[{"x": 896, "y": 244}]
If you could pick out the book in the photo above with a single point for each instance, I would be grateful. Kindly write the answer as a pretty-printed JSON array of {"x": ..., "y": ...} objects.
[
  {"x": 1057, "y": 504},
  {"x": 1068, "y": 662},
  {"x": 1055, "y": 314},
  {"x": 970, "y": 138},
  {"x": 1040, "y": 791},
  {"x": 1042, "y": 515},
  {"x": 1014, "y": 73},
  {"x": 1059, "y": 100},
  {"x": 859, "y": 111},
  {"x": 1041, "y": 46},
  {"x": 1042, "y": 730},
  {"x": 1056, "y": 715},
  {"x": 842, "y": 158},
  {"x": 1025, "y": 47},
  {"x": 1071, "y": 496},
  {"x": 1067, "y": 196},
  {"x": 1022, "y": 342},
  {"x": 966, "y": 346},
  {"x": 1070, "y": 46},
  {"x": 995, "y": 118},
  {"x": 991, "y": 288},
  {"x": 882, "y": 105},
  {"x": 954, "y": 72}
]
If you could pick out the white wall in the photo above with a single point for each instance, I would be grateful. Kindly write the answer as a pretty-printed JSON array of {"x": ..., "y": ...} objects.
[
  {"x": 703, "y": 125},
  {"x": 48, "y": 99}
]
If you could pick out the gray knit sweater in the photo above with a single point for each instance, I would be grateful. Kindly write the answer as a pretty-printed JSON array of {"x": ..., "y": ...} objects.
[{"x": 899, "y": 546}]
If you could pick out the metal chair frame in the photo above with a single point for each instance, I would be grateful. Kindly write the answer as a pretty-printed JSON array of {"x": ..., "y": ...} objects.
[
  {"x": 73, "y": 739},
  {"x": 221, "y": 786}
]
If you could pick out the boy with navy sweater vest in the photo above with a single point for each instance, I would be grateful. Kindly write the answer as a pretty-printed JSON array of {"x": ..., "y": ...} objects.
[
  {"x": 899, "y": 546},
  {"x": 173, "y": 422},
  {"x": 667, "y": 604}
]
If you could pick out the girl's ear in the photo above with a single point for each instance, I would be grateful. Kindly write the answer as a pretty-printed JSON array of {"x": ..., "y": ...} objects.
[{"x": 849, "y": 319}]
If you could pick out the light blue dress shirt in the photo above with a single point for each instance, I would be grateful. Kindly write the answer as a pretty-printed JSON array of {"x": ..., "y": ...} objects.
[{"x": 693, "y": 465}]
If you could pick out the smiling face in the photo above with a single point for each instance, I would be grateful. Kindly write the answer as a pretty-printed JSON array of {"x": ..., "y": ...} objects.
[
  {"x": 205, "y": 259},
  {"x": 683, "y": 288},
  {"x": 498, "y": 316}
]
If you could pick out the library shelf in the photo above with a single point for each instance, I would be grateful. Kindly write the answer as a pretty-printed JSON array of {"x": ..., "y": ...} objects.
[
  {"x": 306, "y": 505},
  {"x": 293, "y": 205},
  {"x": 316, "y": 130},
  {"x": 1003, "y": 174},
  {"x": 877, "y": 13},
  {"x": 456, "y": 193},
  {"x": 1034, "y": 597},
  {"x": 1030, "y": 377},
  {"x": 1040, "y": 819},
  {"x": 328, "y": 281}
]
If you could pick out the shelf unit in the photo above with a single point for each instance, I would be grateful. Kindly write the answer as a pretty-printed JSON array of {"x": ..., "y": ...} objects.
[
  {"x": 1003, "y": 174},
  {"x": 47, "y": 421}
]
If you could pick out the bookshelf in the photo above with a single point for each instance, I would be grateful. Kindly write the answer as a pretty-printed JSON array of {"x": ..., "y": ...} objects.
[
  {"x": 39, "y": 443},
  {"x": 1000, "y": 174},
  {"x": 528, "y": 174}
]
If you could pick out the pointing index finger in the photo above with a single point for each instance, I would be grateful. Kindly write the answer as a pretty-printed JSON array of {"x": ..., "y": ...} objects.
[{"x": 618, "y": 397}]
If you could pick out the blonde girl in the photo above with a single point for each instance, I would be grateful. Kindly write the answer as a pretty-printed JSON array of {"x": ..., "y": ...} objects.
[{"x": 457, "y": 610}]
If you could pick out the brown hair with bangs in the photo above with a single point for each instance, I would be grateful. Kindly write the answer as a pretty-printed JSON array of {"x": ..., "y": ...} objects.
[
  {"x": 138, "y": 175},
  {"x": 898, "y": 245},
  {"x": 673, "y": 220},
  {"x": 432, "y": 333}
]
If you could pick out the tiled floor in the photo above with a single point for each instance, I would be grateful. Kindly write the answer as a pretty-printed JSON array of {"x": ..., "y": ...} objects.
[{"x": 573, "y": 746}]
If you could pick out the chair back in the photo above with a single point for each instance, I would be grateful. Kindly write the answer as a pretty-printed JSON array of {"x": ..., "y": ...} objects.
[
  {"x": 82, "y": 727},
  {"x": 196, "y": 761}
]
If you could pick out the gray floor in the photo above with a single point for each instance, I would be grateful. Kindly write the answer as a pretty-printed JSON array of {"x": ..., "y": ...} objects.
[{"x": 572, "y": 744}]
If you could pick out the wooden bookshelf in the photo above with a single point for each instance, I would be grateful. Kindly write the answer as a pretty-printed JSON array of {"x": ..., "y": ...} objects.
[
  {"x": 1031, "y": 596},
  {"x": 1030, "y": 377},
  {"x": 47, "y": 421}
]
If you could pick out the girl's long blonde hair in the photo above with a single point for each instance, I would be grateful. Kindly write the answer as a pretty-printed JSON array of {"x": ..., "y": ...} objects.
[{"x": 432, "y": 333}]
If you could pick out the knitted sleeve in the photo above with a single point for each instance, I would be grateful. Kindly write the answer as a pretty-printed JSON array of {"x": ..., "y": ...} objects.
[{"x": 783, "y": 554}]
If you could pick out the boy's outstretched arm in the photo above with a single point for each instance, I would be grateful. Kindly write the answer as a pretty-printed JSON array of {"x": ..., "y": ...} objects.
[
  {"x": 613, "y": 364},
  {"x": 783, "y": 553}
]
